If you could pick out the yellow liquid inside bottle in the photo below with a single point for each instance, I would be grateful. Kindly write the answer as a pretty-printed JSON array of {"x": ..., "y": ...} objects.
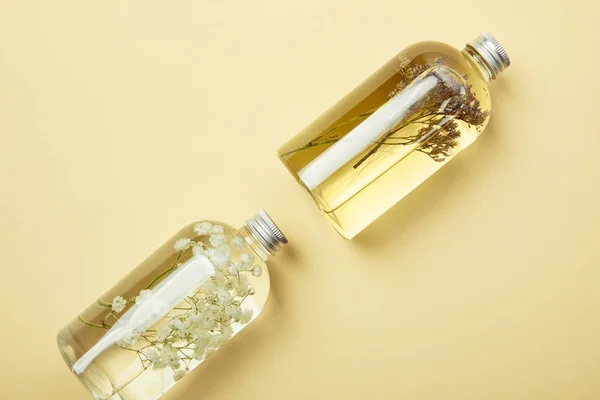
[
  {"x": 389, "y": 134},
  {"x": 169, "y": 314}
]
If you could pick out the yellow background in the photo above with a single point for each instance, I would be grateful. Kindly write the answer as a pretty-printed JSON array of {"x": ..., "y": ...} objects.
[{"x": 122, "y": 121}]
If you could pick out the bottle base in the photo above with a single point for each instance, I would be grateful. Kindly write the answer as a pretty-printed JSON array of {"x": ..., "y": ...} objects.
[{"x": 93, "y": 378}]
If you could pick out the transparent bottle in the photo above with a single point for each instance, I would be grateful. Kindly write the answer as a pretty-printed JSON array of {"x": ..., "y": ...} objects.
[
  {"x": 173, "y": 311},
  {"x": 395, "y": 130}
]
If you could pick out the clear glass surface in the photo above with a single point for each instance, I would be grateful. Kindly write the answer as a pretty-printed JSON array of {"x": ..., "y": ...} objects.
[
  {"x": 389, "y": 134},
  {"x": 168, "y": 315}
]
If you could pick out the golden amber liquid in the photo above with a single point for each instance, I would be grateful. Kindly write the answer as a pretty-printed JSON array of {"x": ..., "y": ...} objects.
[
  {"x": 363, "y": 189},
  {"x": 119, "y": 373}
]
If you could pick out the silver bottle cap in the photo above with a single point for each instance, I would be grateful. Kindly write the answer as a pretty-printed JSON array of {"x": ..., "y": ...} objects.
[
  {"x": 264, "y": 230},
  {"x": 494, "y": 55}
]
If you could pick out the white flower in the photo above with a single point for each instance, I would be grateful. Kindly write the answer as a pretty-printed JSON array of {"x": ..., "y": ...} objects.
[
  {"x": 256, "y": 270},
  {"x": 182, "y": 244},
  {"x": 224, "y": 297},
  {"x": 144, "y": 295},
  {"x": 219, "y": 258},
  {"x": 179, "y": 374},
  {"x": 203, "y": 228},
  {"x": 251, "y": 291},
  {"x": 118, "y": 304},
  {"x": 243, "y": 285},
  {"x": 163, "y": 333},
  {"x": 221, "y": 280},
  {"x": 177, "y": 324},
  {"x": 196, "y": 317},
  {"x": 215, "y": 309},
  {"x": 246, "y": 260},
  {"x": 208, "y": 287},
  {"x": 230, "y": 284},
  {"x": 217, "y": 230},
  {"x": 203, "y": 339},
  {"x": 217, "y": 239},
  {"x": 199, "y": 352},
  {"x": 234, "y": 312},
  {"x": 191, "y": 329},
  {"x": 129, "y": 339},
  {"x": 232, "y": 269},
  {"x": 168, "y": 357},
  {"x": 246, "y": 316},
  {"x": 199, "y": 306},
  {"x": 209, "y": 323},
  {"x": 151, "y": 354},
  {"x": 238, "y": 242},
  {"x": 225, "y": 249},
  {"x": 198, "y": 251}
]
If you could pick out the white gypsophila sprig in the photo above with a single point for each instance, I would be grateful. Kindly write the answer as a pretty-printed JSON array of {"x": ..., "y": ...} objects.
[
  {"x": 224, "y": 297},
  {"x": 234, "y": 312},
  {"x": 203, "y": 228},
  {"x": 177, "y": 324},
  {"x": 226, "y": 331},
  {"x": 130, "y": 339},
  {"x": 182, "y": 244},
  {"x": 177, "y": 375},
  {"x": 257, "y": 271},
  {"x": 208, "y": 317},
  {"x": 246, "y": 316},
  {"x": 151, "y": 354},
  {"x": 246, "y": 261},
  {"x": 243, "y": 285},
  {"x": 168, "y": 357},
  {"x": 219, "y": 258},
  {"x": 217, "y": 239},
  {"x": 118, "y": 304},
  {"x": 163, "y": 333},
  {"x": 238, "y": 242},
  {"x": 217, "y": 230}
]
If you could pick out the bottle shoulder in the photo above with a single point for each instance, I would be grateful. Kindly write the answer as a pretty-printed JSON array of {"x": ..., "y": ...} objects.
[
  {"x": 215, "y": 233},
  {"x": 429, "y": 48},
  {"x": 431, "y": 52}
]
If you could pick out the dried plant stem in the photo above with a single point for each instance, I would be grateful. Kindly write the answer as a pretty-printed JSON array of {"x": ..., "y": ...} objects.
[
  {"x": 317, "y": 142},
  {"x": 389, "y": 136}
]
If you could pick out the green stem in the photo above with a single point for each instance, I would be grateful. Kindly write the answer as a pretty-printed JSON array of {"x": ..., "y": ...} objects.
[
  {"x": 103, "y": 326},
  {"x": 103, "y": 303},
  {"x": 167, "y": 271},
  {"x": 314, "y": 142}
]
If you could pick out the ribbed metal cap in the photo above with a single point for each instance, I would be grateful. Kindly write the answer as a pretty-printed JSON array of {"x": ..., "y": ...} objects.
[
  {"x": 490, "y": 50},
  {"x": 264, "y": 230}
]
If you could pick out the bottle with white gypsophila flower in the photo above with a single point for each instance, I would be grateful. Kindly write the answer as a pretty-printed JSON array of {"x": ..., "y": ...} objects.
[{"x": 173, "y": 311}]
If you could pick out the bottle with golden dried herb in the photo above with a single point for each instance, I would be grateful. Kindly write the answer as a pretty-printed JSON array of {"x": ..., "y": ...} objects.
[
  {"x": 395, "y": 130},
  {"x": 173, "y": 311}
]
